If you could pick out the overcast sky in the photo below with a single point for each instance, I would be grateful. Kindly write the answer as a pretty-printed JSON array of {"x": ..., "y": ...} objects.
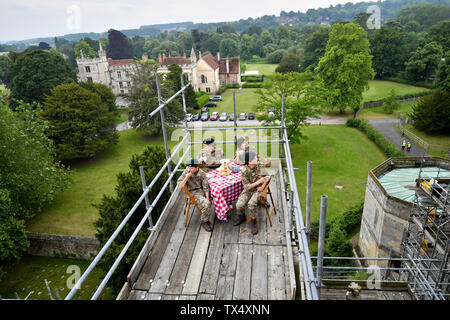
[{"x": 25, "y": 19}]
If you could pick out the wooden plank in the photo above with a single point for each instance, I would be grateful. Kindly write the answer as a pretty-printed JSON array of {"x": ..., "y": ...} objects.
[
  {"x": 287, "y": 280},
  {"x": 195, "y": 271},
  {"x": 259, "y": 273},
  {"x": 210, "y": 275},
  {"x": 180, "y": 269},
  {"x": 231, "y": 232},
  {"x": 187, "y": 297},
  {"x": 225, "y": 283},
  {"x": 153, "y": 296},
  {"x": 243, "y": 273},
  {"x": 275, "y": 273},
  {"x": 245, "y": 235},
  {"x": 263, "y": 224},
  {"x": 204, "y": 296},
  {"x": 275, "y": 234},
  {"x": 170, "y": 297},
  {"x": 153, "y": 260},
  {"x": 161, "y": 279},
  {"x": 137, "y": 295},
  {"x": 142, "y": 257}
]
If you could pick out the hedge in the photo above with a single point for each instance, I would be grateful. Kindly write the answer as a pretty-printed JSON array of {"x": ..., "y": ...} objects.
[
  {"x": 429, "y": 85},
  {"x": 252, "y": 78},
  {"x": 202, "y": 100},
  {"x": 252, "y": 85},
  {"x": 389, "y": 149}
]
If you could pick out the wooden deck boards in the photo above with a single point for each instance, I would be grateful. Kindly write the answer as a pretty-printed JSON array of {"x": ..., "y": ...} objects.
[{"x": 227, "y": 263}]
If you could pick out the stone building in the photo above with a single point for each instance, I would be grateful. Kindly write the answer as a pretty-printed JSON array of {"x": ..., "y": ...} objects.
[{"x": 206, "y": 73}]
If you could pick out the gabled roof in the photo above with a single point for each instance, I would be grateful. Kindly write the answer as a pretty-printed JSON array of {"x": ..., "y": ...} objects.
[
  {"x": 120, "y": 62},
  {"x": 233, "y": 65},
  {"x": 211, "y": 61}
]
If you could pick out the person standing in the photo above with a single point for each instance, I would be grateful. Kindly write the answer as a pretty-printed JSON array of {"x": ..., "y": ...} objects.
[
  {"x": 197, "y": 183},
  {"x": 210, "y": 156},
  {"x": 408, "y": 148},
  {"x": 403, "y": 145},
  {"x": 254, "y": 183}
]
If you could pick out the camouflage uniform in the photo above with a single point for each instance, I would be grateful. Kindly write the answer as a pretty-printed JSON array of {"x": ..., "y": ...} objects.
[
  {"x": 212, "y": 158},
  {"x": 249, "y": 198},
  {"x": 198, "y": 185},
  {"x": 241, "y": 154}
]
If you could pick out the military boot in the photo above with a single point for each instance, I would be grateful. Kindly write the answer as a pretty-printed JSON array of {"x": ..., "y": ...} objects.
[
  {"x": 239, "y": 219},
  {"x": 254, "y": 227}
]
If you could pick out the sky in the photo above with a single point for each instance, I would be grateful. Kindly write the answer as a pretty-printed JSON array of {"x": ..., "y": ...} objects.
[{"x": 25, "y": 19}]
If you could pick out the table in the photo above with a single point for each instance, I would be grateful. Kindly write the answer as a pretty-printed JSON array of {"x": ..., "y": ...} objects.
[{"x": 224, "y": 192}]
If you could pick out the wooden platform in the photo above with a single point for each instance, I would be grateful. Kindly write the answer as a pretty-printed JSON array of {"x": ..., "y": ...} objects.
[{"x": 227, "y": 263}]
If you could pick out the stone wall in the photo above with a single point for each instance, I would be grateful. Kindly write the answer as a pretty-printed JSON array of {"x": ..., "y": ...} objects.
[{"x": 50, "y": 245}]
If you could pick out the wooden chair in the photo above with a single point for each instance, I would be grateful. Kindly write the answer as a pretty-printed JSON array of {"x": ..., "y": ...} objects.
[
  {"x": 262, "y": 200},
  {"x": 189, "y": 200}
]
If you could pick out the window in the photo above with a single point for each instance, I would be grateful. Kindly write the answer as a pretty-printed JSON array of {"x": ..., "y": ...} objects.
[
  {"x": 88, "y": 69},
  {"x": 120, "y": 85},
  {"x": 89, "y": 78},
  {"x": 204, "y": 79},
  {"x": 208, "y": 90},
  {"x": 119, "y": 75},
  {"x": 129, "y": 84},
  {"x": 121, "y": 91}
]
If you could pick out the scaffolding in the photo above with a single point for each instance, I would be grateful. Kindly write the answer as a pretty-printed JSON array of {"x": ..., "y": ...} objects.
[{"x": 426, "y": 246}]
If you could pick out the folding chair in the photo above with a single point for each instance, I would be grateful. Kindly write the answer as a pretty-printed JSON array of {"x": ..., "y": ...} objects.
[
  {"x": 189, "y": 200},
  {"x": 262, "y": 200}
]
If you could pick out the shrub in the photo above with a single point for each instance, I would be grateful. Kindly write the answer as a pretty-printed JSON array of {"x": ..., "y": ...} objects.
[
  {"x": 252, "y": 85},
  {"x": 202, "y": 100},
  {"x": 351, "y": 218},
  {"x": 389, "y": 149},
  {"x": 432, "y": 113}
]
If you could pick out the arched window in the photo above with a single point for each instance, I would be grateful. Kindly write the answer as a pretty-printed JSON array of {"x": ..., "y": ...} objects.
[{"x": 204, "y": 80}]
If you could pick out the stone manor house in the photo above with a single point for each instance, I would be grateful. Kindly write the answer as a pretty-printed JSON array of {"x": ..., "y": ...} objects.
[{"x": 206, "y": 73}]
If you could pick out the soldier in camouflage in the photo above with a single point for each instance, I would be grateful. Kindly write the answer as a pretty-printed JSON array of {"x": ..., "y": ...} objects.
[
  {"x": 210, "y": 156},
  {"x": 243, "y": 147},
  {"x": 254, "y": 182},
  {"x": 196, "y": 182}
]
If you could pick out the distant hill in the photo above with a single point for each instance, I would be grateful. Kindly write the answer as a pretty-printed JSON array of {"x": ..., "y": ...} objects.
[{"x": 389, "y": 9}]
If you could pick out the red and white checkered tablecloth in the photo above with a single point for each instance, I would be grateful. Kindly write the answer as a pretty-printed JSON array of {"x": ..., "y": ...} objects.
[{"x": 224, "y": 192}]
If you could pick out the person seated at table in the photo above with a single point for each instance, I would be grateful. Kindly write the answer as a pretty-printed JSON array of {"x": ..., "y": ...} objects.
[
  {"x": 196, "y": 182},
  {"x": 242, "y": 147},
  {"x": 210, "y": 156},
  {"x": 254, "y": 182}
]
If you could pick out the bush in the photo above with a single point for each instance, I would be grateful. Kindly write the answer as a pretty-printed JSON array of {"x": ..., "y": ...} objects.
[
  {"x": 252, "y": 85},
  {"x": 351, "y": 218},
  {"x": 389, "y": 149},
  {"x": 252, "y": 78},
  {"x": 432, "y": 113},
  {"x": 202, "y": 100},
  {"x": 429, "y": 85},
  {"x": 276, "y": 56}
]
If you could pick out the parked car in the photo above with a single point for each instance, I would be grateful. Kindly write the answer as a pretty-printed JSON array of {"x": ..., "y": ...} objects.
[
  {"x": 242, "y": 116},
  {"x": 231, "y": 118},
  {"x": 251, "y": 116},
  {"x": 188, "y": 117},
  {"x": 210, "y": 105},
  {"x": 196, "y": 117},
  {"x": 205, "y": 116},
  {"x": 214, "y": 116},
  {"x": 223, "y": 116},
  {"x": 216, "y": 98},
  {"x": 205, "y": 109}
]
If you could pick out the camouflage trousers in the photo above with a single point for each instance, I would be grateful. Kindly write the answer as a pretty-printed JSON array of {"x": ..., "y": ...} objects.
[
  {"x": 250, "y": 200},
  {"x": 203, "y": 203}
]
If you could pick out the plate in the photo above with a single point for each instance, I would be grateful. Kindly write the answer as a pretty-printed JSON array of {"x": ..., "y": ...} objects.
[
  {"x": 231, "y": 180},
  {"x": 225, "y": 172}
]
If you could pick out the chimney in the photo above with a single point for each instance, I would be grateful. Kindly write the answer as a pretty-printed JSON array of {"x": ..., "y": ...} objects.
[
  {"x": 159, "y": 59},
  {"x": 228, "y": 65},
  {"x": 218, "y": 56},
  {"x": 184, "y": 55},
  {"x": 199, "y": 54}
]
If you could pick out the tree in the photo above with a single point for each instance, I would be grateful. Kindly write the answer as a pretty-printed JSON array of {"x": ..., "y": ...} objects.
[
  {"x": 276, "y": 56},
  {"x": 444, "y": 73},
  {"x": 424, "y": 62},
  {"x": 315, "y": 48},
  {"x": 390, "y": 103},
  {"x": 143, "y": 99},
  {"x": 104, "y": 92},
  {"x": 302, "y": 96},
  {"x": 79, "y": 122},
  {"x": 119, "y": 47},
  {"x": 425, "y": 15},
  {"x": 173, "y": 80},
  {"x": 338, "y": 245},
  {"x": 388, "y": 47},
  {"x": 266, "y": 37},
  {"x": 113, "y": 209},
  {"x": 28, "y": 170},
  {"x": 4, "y": 67},
  {"x": 44, "y": 46},
  {"x": 346, "y": 68},
  {"x": 289, "y": 63},
  {"x": 35, "y": 73},
  {"x": 440, "y": 33},
  {"x": 246, "y": 47},
  {"x": 228, "y": 48},
  {"x": 87, "y": 50},
  {"x": 431, "y": 113}
]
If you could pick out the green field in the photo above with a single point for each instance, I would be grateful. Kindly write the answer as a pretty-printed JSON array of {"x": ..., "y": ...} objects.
[
  {"x": 71, "y": 213},
  {"x": 263, "y": 68},
  {"x": 245, "y": 102},
  {"x": 379, "y": 89},
  {"x": 340, "y": 156},
  {"x": 29, "y": 276},
  {"x": 378, "y": 112}
]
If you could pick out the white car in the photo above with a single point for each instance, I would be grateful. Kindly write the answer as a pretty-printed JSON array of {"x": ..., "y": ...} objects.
[{"x": 188, "y": 117}]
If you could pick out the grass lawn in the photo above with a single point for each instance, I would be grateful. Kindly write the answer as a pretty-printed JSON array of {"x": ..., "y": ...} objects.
[
  {"x": 122, "y": 116},
  {"x": 340, "y": 156},
  {"x": 380, "y": 89},
  {"x": 263, "y": 68},
  {"x": 71, "y": 213},
  {"x": 29, "y": 275},
  {"x": 439, "y": 143},
  {"x": 245, "y": 101},
  {"x": 378, "y": 112}
]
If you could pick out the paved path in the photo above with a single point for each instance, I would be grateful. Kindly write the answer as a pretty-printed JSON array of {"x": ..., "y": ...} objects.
[{"x": 387, "y": 128}]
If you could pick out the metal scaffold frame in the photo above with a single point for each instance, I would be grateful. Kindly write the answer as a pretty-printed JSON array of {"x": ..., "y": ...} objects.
[{"x": 308, "y": 280}]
